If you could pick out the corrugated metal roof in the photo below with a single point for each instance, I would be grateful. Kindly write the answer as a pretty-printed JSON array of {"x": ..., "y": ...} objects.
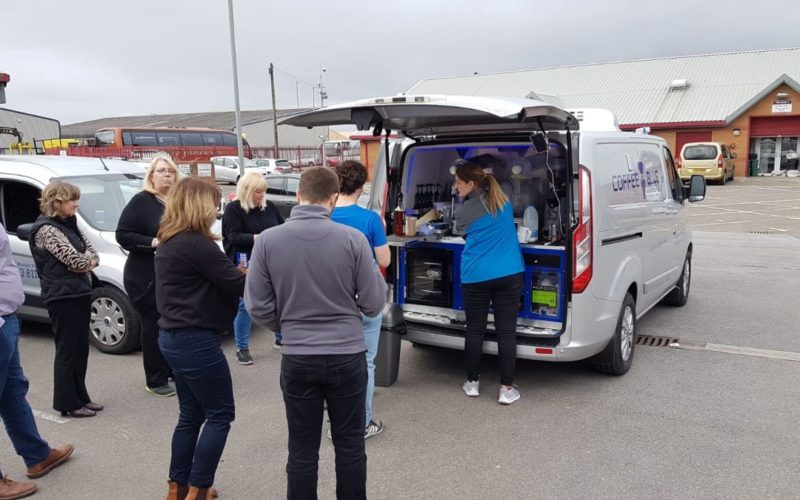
[
  {"x": 219, "y": 120},
  {"x": 639, "y": 91}
]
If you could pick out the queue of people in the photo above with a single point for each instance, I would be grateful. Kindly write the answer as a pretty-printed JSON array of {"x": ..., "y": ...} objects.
[{"x": 315, "y": 278}]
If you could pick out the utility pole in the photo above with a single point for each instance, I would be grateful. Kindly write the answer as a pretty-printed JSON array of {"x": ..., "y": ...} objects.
[
  {"x": 274, "y": 111},
  {"x": 297, "y": 91}
]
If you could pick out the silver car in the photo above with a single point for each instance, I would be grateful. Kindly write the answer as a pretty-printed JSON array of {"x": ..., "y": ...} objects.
[
  {"x": 106, "y": 187},
  {"x": 226, "y": 168}
]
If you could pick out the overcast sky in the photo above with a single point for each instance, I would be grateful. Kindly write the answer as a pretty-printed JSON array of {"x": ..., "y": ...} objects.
[{"x": 77, "y": 61}]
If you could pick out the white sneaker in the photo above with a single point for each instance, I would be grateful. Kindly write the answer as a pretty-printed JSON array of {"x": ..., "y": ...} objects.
[
  {"x": 508, "y": 394},
  {"x": 472, "y": 388}
]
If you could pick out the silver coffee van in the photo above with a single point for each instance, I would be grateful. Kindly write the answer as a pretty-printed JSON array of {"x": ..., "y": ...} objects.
[
  {"x": 106, "y": 187},
  {"x": 609, "y": 239}
]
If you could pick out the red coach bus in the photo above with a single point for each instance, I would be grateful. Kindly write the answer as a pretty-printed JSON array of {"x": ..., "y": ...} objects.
[{"x": 182, "y": 144}]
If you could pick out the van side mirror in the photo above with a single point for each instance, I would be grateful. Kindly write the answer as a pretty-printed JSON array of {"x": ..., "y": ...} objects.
[
  {"x": 696, "y": 190},
  {"x": 24, "y": 231},
  {"x": 733, "y": 155}
]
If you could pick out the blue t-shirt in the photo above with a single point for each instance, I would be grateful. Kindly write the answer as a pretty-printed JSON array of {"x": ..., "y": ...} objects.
[
  {"x": 365, "y": 221},
  {"x": 492, "y": 249}
]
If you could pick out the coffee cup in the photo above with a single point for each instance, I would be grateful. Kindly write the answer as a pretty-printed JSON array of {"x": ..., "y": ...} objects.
[
  {"x": 523, "y": 233},
  {"x": 411, "y": 226}
]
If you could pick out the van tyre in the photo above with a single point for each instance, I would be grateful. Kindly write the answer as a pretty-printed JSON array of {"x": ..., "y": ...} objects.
[
  {"x": 680, "y": 294},
  {"x": 617, "y": 357},
  {"x": 113, "y": 322}
]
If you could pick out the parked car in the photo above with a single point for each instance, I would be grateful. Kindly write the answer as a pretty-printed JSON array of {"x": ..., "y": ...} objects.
[
  {"x": 105, "y": 190},
  {"x": 712, "y": 160},
  {"x": 612, "y": 242},
  {"x": 274, "y": 166},
  {"x": 282, "y": 191},
  {"x": 226, "y": 168}
]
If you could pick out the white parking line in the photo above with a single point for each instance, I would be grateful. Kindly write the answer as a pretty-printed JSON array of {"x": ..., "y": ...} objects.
[
  {"x": 49, "y": 416},
  {"x": 744, "y": 351}
]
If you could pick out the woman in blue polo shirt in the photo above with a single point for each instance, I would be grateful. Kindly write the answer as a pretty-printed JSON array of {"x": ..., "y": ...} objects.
[{"x": 491, "y": 274}]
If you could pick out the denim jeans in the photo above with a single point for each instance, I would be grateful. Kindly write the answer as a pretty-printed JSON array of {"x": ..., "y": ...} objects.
[
  {"x": 307, "y": 383},
  {"x": 372, "y": 334},
  {"x": 14, "y": 409},
  {"x": 205, "y": 397},
  {"x": 503, "y": 294},
  {"x": 241, "y": 327}
]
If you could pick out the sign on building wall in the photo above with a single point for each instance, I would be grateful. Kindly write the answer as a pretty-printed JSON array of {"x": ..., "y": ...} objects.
[{"x": 782, "y": 107}]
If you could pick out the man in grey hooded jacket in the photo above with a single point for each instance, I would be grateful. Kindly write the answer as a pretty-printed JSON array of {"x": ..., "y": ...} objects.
[{"x": 312, "y": 278}]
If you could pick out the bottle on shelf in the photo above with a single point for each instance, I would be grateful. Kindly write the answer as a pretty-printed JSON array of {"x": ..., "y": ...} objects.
[{"x": 398, "y": 216}]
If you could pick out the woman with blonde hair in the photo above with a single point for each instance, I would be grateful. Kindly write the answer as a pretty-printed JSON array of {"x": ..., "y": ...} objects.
[
  {"x": 64, "y": 260},
  {"x": 244, "y": 219},
  {"x": 197, "y": 290},
  {"x": 136, "y": 233},
  {"x": 491, "y": 275}
]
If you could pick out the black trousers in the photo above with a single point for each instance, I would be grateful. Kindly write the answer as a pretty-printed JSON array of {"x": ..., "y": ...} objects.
[
  {"x": 70, "y": 320},
  {"x": 503, "y": 294},
  {"x": 307, "y": 383},
  {"x": 156, "y": 369}
]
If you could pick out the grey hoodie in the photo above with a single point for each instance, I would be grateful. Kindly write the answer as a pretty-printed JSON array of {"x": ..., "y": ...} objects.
[{"x": 311, "y": 279}]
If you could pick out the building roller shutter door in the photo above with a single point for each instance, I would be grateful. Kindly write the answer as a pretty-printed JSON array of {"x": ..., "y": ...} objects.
[{"x": 773, "y": 126}]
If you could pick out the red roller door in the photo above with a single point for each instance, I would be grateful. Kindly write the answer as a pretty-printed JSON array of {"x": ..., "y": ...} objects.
[
  {"x": 772, "y": 126},
  {"x": 682, "y": 138}
]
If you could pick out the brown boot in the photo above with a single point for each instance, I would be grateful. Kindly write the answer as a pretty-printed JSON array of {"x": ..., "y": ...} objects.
[
  {"x": 9, "y": 490},
  {"x": 177, "y": 491},
  {"x": 196, "y": 493},
  {"x": 56, "y": 457}
]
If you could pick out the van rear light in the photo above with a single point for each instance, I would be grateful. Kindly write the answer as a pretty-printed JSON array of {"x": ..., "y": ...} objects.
[
  {"x": 678, "y": 163},
  {"x": 582, "y": 236},
  {"x": 544, "y": 350},
  {"x": 719, "y": 161}
]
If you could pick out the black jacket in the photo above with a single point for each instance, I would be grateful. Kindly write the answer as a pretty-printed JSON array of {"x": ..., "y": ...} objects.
[
  {"x": 57, "y": 281},
  {"x": 238, "y": 227},
  {"x": 138, "y": 225},
  {"x": 196, "y": 285}
]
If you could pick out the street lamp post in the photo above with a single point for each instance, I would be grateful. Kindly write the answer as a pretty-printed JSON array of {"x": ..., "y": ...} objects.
[{"x": 236, "y": 90}]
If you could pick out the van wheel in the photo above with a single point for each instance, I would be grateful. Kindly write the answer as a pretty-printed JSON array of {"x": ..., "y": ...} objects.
[
  {"x": 113, "y": 324},
  {"x": 617, "y": 357},
  {"x": 680, "y": 294}
]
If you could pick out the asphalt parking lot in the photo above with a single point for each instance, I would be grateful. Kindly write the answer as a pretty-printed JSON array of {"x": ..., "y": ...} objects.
[{"x": 715, "y": 418}]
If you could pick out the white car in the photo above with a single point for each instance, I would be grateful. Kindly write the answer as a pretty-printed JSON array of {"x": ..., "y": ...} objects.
[
  {"x": 226, "y": 168},
  {"x": 274, "y": 166},
  {"x": 106, "y": 187},
  {"x": 608, "y": 206}
]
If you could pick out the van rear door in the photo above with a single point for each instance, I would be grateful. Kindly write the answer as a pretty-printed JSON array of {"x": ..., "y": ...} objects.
[{"x": 441, "y": 116}]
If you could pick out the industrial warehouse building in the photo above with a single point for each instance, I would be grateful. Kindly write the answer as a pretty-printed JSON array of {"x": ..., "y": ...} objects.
[
  {"x": 257, "y": 126},
  {"x": 747, "y": 100},
  {"x": 31, "y": 130}
]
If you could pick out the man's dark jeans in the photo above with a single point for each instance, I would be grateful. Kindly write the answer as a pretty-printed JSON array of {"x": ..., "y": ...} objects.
[
  {"x": 14, "y": 409},
  {"x": 307, "y": 383},
  {"x": 504, "y": 295},
  {"x": 205, "y": 396}
]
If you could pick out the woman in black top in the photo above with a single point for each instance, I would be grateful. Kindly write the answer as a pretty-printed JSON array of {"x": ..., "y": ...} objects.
[
  {"x": 197, "y": 290},
  {"x": 136, "y": 233},
  {"x": 64, "y": 260},
  {"x": 244, "y": 219}
]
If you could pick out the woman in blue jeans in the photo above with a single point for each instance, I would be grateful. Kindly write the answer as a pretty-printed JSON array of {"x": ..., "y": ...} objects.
[
  {"x": 244, "y": 219},
  {"x": 491, "y": 274},
  {"x": 197, "y": 291},
  {"x": 352, "y": 176}
]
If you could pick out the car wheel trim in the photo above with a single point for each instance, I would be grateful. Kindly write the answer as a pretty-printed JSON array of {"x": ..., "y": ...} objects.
[
  {"x": 626, "y": 333},
  {"x": 107, "y": 321}
]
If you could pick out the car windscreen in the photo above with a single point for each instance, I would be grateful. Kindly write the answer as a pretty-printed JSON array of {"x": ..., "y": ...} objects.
[
  {"x": 700, "y": 153},
  {"x": 282, "y": 163},
  {"x": 104, "y": 196}
]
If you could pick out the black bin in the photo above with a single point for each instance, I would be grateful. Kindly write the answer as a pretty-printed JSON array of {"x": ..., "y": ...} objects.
[{"x": 387, "y": 360}]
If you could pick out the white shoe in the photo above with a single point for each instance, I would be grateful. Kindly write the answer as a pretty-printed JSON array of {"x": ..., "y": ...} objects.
[
  {"x": 508, "y": 394},
  {"x": 472, "y": 388}
]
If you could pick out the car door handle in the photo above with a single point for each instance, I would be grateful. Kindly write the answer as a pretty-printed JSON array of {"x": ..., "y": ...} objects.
[{"x": 291, "y": 203}]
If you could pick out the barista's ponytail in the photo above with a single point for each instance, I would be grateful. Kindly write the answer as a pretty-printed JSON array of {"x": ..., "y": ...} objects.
[{"x": 495, "y": 197}]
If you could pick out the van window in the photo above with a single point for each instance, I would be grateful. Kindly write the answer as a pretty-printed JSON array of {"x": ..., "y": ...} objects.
[
  {"x": 169, "y": 139},
  {"x": 143, "y": 139},
  {"x": 104, "y": 138},
  {"x": 653, "y": 178},
  {"x": 674, "y": 184},
  {"x": 20, "y": 204},
  {"x": 191, "y": 139},
  {"x": 229, "y": 140},
  {"x": 212, "y": 139},
  {"x": 700, "y": 152},
  {"x": 725, "y": 152}
]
